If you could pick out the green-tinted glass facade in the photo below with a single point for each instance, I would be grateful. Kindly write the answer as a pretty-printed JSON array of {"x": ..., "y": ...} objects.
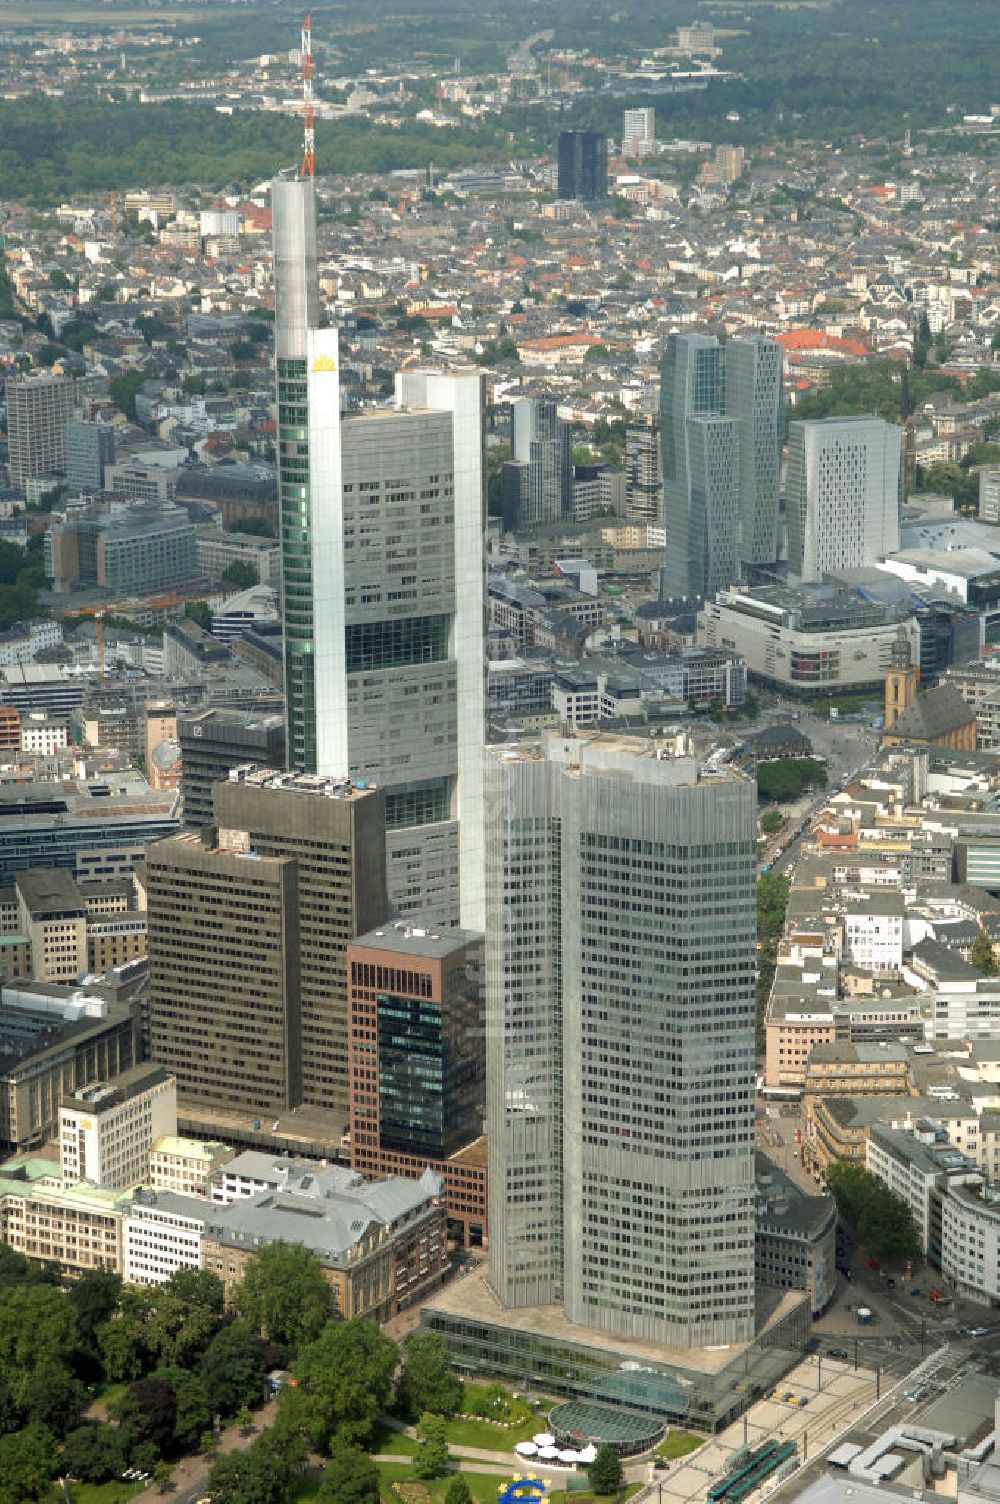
[
  {"x": 296, "y": 545},
  {"x": 430, "y": 1064},
  {"x": 374, "y": 645}
]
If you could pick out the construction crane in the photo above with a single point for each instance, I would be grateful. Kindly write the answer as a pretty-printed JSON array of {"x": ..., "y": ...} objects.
[
  {"x": 99, "y": 621},
  {"x": 308, "y": 168}
]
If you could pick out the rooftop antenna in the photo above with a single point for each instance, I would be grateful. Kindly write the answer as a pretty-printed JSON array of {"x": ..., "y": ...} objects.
[{"x": 308, "y": 168}]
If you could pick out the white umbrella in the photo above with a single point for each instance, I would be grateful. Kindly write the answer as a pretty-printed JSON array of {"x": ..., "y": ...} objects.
[
  {"x": 543, "y": 1439},
  {"x": 548, "y": 1454},
  {"x": 569, "y": 1456},
  {"x": 589, "y": 1453},
  {"x": 526, "y": 1448}
]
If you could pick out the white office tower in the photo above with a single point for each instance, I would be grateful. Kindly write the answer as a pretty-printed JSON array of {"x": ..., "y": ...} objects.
[
  {"x": 383, "y": 517},
  {"x": 638, "y": 132},
  {"x": 842, "y": 494},
  {"x": 620, "y": 1038}
]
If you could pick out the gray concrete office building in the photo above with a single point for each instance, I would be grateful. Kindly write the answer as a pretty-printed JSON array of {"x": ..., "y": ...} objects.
[
  {"x": 383, "y": 519},
  {"x": 38, "y": 410},
  {"x": 620, "y": 1038},
  {"x": 318, "y": 845},
  {"x": 215, "y": 741}
]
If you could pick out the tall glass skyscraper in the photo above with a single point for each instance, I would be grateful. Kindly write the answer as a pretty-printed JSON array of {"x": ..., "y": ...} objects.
[
  {"x": 382, "y": 523},
  {"x": 753, "y": 397},
  {"x": 620, "y": 1038},
  {"x": 720, "y": 427}
]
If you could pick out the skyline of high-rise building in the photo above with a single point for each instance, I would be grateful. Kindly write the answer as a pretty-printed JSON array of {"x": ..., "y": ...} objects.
[
  {"x": 90, "y": 448},
  {"x": 720, "y": 428},
  {"x": 39, "y": 407},
  {"x": 620, "y": 1038},
  {"x": 754, "y": 398},
  {"x": 537, "y": 482},
  {"x": 643, "y": 474},
  {"x": 582, "y": 165},
  {"x": 383, "y": 518},
  {"x": 638, "y": 131},
  {"x": 842, "y": 494},
  {"x": 295, "y": 872}
]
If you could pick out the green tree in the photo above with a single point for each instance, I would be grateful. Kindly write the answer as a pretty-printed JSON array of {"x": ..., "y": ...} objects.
[
  {"x": 191, "y": 1409},
  {"x": 232, "y": 1369},
  {"x": 346, "y": 1380},
  {"x": 788, "y": 777},
  {"x": 162, "y": 1474},
  {"x": 27, "y": 1464},
  {"x": 199, "y": 612},
  {"x": 426, "y": 1381},
  {"x": 350, "y": 1477},
  {"x": 93, "y": 1454},
  {"x": 771, "y": 822},
  {"x": 124, "y": 388},
  {"x": 430, "y": 1460},
  {"x": 879, "y": 1218},
  {"x": 605, "y": 1472},
  {"x": 255, "y": 527},
  {"x": 595, "y": 354},
  {"x": 125, "y": 1342},
  {"x": 94, "y": 1298},
  {"x": 148, "y": 1413},
  {"x": 266, "y": 1474},
  {"x": 284, "y": 1295},
  {"x": 982, "y": 956},
  {"x": 53, "y": 1397},
  {"x": 458, "y": 1490},
  {"x": 241, "y": 574},
  {"x": 37, "y": 1327}
]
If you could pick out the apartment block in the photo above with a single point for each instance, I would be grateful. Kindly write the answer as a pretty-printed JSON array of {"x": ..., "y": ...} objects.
[
  {"x": 78, "y": 1226},
  {"x": 106, "y": 1130},
  {"x": 185, "y": 1165},
  {"x": 162, "y": 1232},
  {"x": 38, "y": 410}
]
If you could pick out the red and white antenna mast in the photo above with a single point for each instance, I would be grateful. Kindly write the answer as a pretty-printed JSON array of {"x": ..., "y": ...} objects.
[{"x": 308, "y": 168}]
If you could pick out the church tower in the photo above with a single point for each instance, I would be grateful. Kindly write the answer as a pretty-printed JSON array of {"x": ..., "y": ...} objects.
[{"x": 900, "y": 680}]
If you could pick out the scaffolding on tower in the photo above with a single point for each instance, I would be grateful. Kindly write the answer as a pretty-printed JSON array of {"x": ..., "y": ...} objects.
[{"x": 308, "y": 168}]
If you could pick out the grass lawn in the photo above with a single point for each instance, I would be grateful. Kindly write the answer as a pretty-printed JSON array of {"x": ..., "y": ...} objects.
[
  {"x": 100, "y": 1493},
  {"x": 107, "y": 1395},
  {"x": 467, "y": 1431},
  {"x": 679, "y": 1444},
  {"x": 482, "y": 1486},
  {"x": 397, "y": 1443}
]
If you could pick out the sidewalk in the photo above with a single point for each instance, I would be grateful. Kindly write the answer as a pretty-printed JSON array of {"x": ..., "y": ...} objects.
[{"x": 192, "y": 1473}]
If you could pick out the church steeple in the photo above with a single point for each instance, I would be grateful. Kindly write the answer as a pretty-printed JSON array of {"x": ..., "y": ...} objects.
[{"x": 900, "y": 680}]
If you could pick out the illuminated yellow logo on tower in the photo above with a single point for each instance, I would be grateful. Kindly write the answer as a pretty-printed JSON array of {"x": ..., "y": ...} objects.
[{"x": 324, "y": 363}]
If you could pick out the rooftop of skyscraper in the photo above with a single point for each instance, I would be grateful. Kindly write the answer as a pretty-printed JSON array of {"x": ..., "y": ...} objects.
[
  {"x": 609, "y": 753},
  {"x": 417, "y": 940},
  {"x": 318, "y": 784}
]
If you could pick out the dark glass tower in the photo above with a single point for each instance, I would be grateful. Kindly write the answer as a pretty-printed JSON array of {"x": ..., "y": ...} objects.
[{"x": 583, "y": 165}]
